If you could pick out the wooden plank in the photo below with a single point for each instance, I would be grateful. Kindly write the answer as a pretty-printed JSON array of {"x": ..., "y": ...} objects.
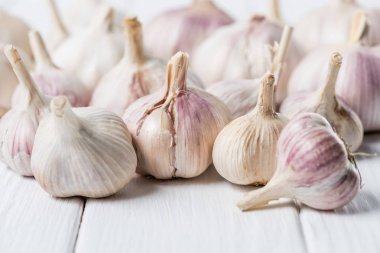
[
  {"x": 355, "y": 227},
  {"x": 33, "y": 221},
  {"x": 197, "y": 215}
]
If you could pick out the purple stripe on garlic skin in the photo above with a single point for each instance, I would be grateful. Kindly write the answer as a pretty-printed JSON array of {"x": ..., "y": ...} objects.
[{"x": 313, "y": 167}]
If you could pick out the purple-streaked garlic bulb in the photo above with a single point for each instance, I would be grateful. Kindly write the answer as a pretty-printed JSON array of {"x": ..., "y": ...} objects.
[
  {"x": 240, "y": 95},
  {"x": 313, "y": 167},
  {"x": 240, "y": 51},
  {"x": 19, "y": 125},
  {"x": 135, "y": 76},
  {"x": 183, "y": 29},
  {"x": 14, "y": 31},
  {"x": 245, "y": 150},
  {"x": 325, "y": 102},
  {"x": 174, "y": 129},
  {"x": 358, "y": 84},
  {"x": 51, "y": 80},
  {"x": 93, "y": 52}
]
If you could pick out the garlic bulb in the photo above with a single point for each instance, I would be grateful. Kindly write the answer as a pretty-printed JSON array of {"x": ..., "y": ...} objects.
[
  {"x": 240, "y": 95},
  {"x": 82, "y": 152},
  {"x": 324, "y": 102},
  {"x": 358, "y": 84},
  {"x": 330, "y": 24},
  {"x": 18, "y": 126},
  {"x": 14, "y": 31},
  {"x": 314, "y": 167},
  {"x": 184, "y": 28},
  {"x": 244, "y": 151},
  {"x": 50, "y": 80},
  {"x": 91, "y": 53},
  {"x": 240, "y": 51},
  {"x": 174, "y": 129}
]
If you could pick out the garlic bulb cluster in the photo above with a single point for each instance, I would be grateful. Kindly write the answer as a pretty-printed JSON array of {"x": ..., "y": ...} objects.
[
  {"x": 174, "y": 129},
  {"x": 82, "y": 152},
  {"x": 331, "y": 24},
  {"x": 50, "y": 80},
  {"x": 358, "y": 83},
  {"x": 325, "y": 102},
  {"x": 184, "y": 28},
  {"x": 241, "y": 51},
  {"x": 18, "y": 126},
  {"x": 240, "y": 95},
  {"x": 244, "y": 151},
  {"x": 14, "y": 31},
  {"x": 314, "y": 167},
  {"x": 91, "y": 53}
]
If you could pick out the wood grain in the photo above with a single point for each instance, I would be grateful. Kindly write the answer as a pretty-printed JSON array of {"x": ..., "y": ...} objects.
[{"x": 31, "y": 220}]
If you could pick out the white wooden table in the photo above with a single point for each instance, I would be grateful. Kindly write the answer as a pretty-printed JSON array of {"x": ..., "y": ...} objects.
[{"x": 197, "y": 215}]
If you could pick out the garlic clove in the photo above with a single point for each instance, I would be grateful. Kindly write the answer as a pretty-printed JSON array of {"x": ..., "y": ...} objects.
[
  {"x": 51, "y": 80},
  {"x": 82, "y": 152},
  {"x": 18, "y": 126},
  {"x": 183, "y": 28},
  {"x": 14, "y": 31},
  {"x": 326, "y": 103},
  {"x": 76, "y": 53},
  {"x": 314, "y": 167},
  {"x": 174, "y": 128},
  {"x": 245, "y": 150}
]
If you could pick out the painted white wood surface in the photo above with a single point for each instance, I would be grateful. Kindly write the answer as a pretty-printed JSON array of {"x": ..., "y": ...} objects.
[{"x": 33, "y": 221}]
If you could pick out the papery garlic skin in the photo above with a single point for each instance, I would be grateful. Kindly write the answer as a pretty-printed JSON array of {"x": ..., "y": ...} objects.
[
  {"x": 174, "y": 129},
  {"x": 324, "y": 102},
  {"x": 82, "y": 152},
  {"x": 245, "y": 150},
  {"x": 184, "y": 28},
  {"x": 19, "y": 125},
  {"x": 314, "y": 167},
  {"x": 14, "y": 31},
  {"x": 50, "y": 80},
  {"x": 240, "y": 96},
  {"x": 76, "y": 53}
]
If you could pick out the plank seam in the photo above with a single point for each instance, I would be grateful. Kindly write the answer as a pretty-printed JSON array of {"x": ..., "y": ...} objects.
[
  {"x": 299, "y": 208},
  {"x": 80, "y": 224}
]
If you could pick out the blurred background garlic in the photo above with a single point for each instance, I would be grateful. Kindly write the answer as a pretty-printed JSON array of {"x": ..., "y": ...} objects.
[
  {"x": 331, "y": 24},
  {"x": 82, "y": 152},
  {"x": 14, "y": 31},
  {"x": 358, "y": 83},
  {"x": 18, "y": 126},
  {"x": 245, "y": 150},
  {"x": 183, "y": 29},
  {"x": 325, "y": 102},
  {"x": 174, "y": 128},
  {"x": 50, "y": 80},
  {"x": 313, "y": 167},
  {"x": 240, "y": 51},
  {"x": 93, "y": 52}
]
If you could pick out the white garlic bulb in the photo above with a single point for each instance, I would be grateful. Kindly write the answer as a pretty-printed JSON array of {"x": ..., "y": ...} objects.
[
  {"x": 18, "y": 126},
  {"x": 14, "y": 31},
  {"x": 50, "y": 80},
  {"x": 183, "y": 28},
  {"x": 83, "y": 151},
  {"x": 91, "y": 53},
  {"x": 314, "y": 167},
  {"x": 358, "y": 84},
  {"x": 240, "y": 51},
  {"x": 245, "y": 150},
  {"x": 174, "y": 129},
  {"x": 324, "y": 102}
]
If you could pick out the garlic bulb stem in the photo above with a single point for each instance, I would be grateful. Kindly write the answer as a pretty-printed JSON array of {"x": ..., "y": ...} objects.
[
  {"x": 22, "y": 74},
  {"x": 133, "y": 42},
  {"x": 282, "y": 48},
  {"x": 345, "y": 1},
  {"x": 104, "y": 20},
  {"x": 65, "y": 117},
  {"x": 177, "y": 71},
  {"x": 328, "y": 91},
  {"x": 359, "y": 28},
  {"x": 39, "y": 50},
  {"x": 274, "y": 11},
  {"x": 266, "y": 99},
  {"x": 199, "y": 2},
  {"x": 57, "y": 21}
]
